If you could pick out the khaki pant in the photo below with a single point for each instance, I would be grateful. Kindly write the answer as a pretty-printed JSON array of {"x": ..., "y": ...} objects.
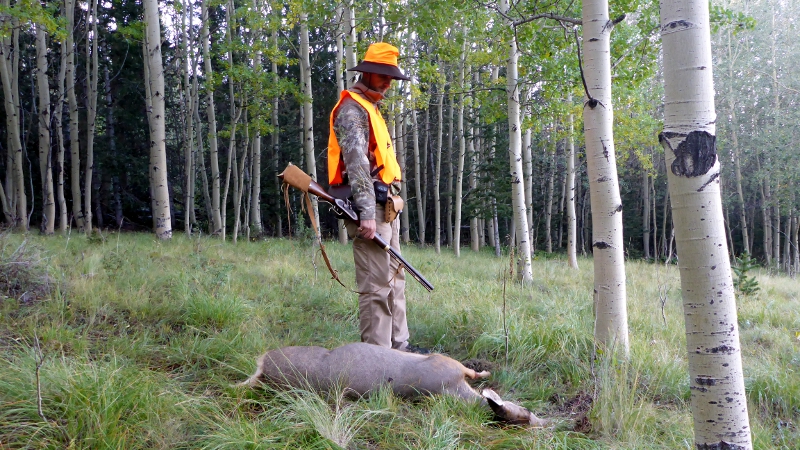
[{"x": 382, "y": 302}]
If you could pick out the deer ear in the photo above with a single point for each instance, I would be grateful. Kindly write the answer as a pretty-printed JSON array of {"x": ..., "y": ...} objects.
[{"x": 511, "y": 413}]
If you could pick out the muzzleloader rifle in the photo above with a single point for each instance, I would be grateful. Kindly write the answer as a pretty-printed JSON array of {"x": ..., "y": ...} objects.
[{"x": 295, "y": 177}]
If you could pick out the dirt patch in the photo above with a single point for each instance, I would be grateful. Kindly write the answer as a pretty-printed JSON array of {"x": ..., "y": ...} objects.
[
  {"x": 23, "y": 272},
  {"x": 576, "y": 408},
  {"x": 479, "y": 365}
]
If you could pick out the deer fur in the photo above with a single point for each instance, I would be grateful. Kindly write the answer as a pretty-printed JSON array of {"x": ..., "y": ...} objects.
[{"x": 363, "y": 368}]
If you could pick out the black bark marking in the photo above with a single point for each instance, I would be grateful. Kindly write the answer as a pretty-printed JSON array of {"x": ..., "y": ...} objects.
[
  {"x": 721, "y": 445},
  {"x": 721, "y": 349},
  {"x": 710, "y": 180},
  {"x": 695, "y": 155},
  {"x": 593, "y": 40},
  {"x": 603, "y": 179},
  {"x": 601, "y": 245},
  {"x": 676, "y": 25},
  {"x": 706, "y": 381}
]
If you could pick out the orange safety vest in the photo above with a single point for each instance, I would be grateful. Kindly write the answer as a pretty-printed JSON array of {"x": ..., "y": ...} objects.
[{"x": 384, "y": 152}]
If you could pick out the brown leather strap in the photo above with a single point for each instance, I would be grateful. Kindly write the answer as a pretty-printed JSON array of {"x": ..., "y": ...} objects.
[{"x": 318, "y": 234}]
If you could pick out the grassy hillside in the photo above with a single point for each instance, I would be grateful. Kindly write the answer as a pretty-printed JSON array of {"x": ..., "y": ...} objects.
[{"x": 138, "y": 343}]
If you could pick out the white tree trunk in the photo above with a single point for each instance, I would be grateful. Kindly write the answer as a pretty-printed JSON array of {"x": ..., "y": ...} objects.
[
  {"x": 275, "y": 138},
  {"x": 472, "y": 154},
  {"x": 308, "y": 110},
  {"x": 187, "y": 67},
  {"x": 646, "y": 212},
  {"x": 515, "y": 157},
  {"x": 462, "y": 148},
  {"x": 91, "y": 111},
  {"x": 216, "y": 217},
  {"x": 418, "y": 177},
  {"x": 527, "y": 164},
  {"x": 449, "y": 184},
  {"x": 350, "y": 49},
  {"x": 437, "y": 175},
  {"x": 400, "y": 149},
  {"x": 158, "y": 151},
  {"x": 548, "y": 207},
  {"x": 235, "y": 115},
  {"x": 45, "y": 161},
  {"x": 611, "y": 318},
  {"x": 795, "y": 246},
  {"x": 9, "y": 62},
  {"x": 63, "y": 218},
  {"x": 572, "y": 237},
  {"x": 340, "y": 83},
  {"x": 719, "y": 405},
  {"x": 72, "y": 101},
  {"x": 495, "y": 223},
  {"x": 776, "y": 231}
]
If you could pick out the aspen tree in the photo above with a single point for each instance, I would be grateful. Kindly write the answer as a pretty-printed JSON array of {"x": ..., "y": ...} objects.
[
  {"x": 733, "y": 55},
  {"x": 719, "y": 406},
  {"x": 548, "y": 206},
  {"x": 58, "y": 114},
  {"x": 275, "y": 138},
  {"x": 572, "y": 238},
  {"x": 217, "y": 226},
  {"x": 451, "y": 124},
  {"x": 515, "y": 155},
  {"x": 72, "y": 102},
  {"x": 45, "y": 160},
  {"x": 611, "y": 317},
  {"x": 158, "y": 153},
  {"x": 308, "y": 108},
  {"x": 112, "y": 146},
  {"x": 235, "y": 115},
  {"x": 400, "y": 148},
  {"x": 418, "y": 178},
  {"x": 91, "y": 110},
  {"x": 437, "y": 175},
  {"x": 350, "y": 48},
  {"x": 645, "y": 190},
  {"x": 527, "y": 168},
  {"x": 461, "y": 153},
  {"x": 473, "y": 145},
  {"x": 495, "y": 224},
  {"x": 340, "y": 84},
  {"x": 17, "y": 211},
  {"x": 188, "y": 107}
]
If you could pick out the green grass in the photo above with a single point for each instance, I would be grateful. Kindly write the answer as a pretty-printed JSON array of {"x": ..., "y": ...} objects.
[{"x": 139, "y": 344}]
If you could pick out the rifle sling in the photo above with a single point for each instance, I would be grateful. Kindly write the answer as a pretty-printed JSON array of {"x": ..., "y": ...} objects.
[{"x": 318, "y": 234}]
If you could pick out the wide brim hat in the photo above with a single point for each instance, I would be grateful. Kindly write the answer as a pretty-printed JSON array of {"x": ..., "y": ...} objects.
[{"x": 381, "y": 58}]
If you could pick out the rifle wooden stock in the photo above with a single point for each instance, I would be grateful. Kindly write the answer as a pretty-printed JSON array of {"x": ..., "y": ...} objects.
[{"x": 295, "y": 177}]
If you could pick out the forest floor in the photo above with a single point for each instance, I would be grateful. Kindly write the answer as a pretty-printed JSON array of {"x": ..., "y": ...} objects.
[{"x": 122, "y": 341}]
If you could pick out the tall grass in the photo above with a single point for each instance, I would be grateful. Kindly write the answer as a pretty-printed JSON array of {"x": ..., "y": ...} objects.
[{"x": 141, "y": 341}]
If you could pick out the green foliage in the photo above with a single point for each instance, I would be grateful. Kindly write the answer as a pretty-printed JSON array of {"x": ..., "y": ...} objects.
[
  {"x": 722, "y": 17},
  {"x": 745, "y": 284}
]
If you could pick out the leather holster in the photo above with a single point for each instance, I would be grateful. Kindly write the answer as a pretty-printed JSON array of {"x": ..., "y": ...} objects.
[{"x": 394, "y": 206}]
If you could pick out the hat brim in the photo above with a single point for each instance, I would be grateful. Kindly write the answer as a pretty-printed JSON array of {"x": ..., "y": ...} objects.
[{"x": 382, "y": 69}]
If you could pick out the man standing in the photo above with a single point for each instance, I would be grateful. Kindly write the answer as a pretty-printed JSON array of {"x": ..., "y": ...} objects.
[{"x": 360, "y": 154}]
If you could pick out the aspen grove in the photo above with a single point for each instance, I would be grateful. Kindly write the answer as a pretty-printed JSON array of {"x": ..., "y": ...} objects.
[{"x": 534, "y": 127}]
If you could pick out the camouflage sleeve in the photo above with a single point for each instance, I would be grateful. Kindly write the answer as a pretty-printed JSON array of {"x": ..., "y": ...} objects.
[{"x": 352, "y": 131}]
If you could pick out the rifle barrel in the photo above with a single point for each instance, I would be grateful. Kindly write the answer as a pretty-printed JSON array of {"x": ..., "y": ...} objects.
[{"x": 406, "y": 265}]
